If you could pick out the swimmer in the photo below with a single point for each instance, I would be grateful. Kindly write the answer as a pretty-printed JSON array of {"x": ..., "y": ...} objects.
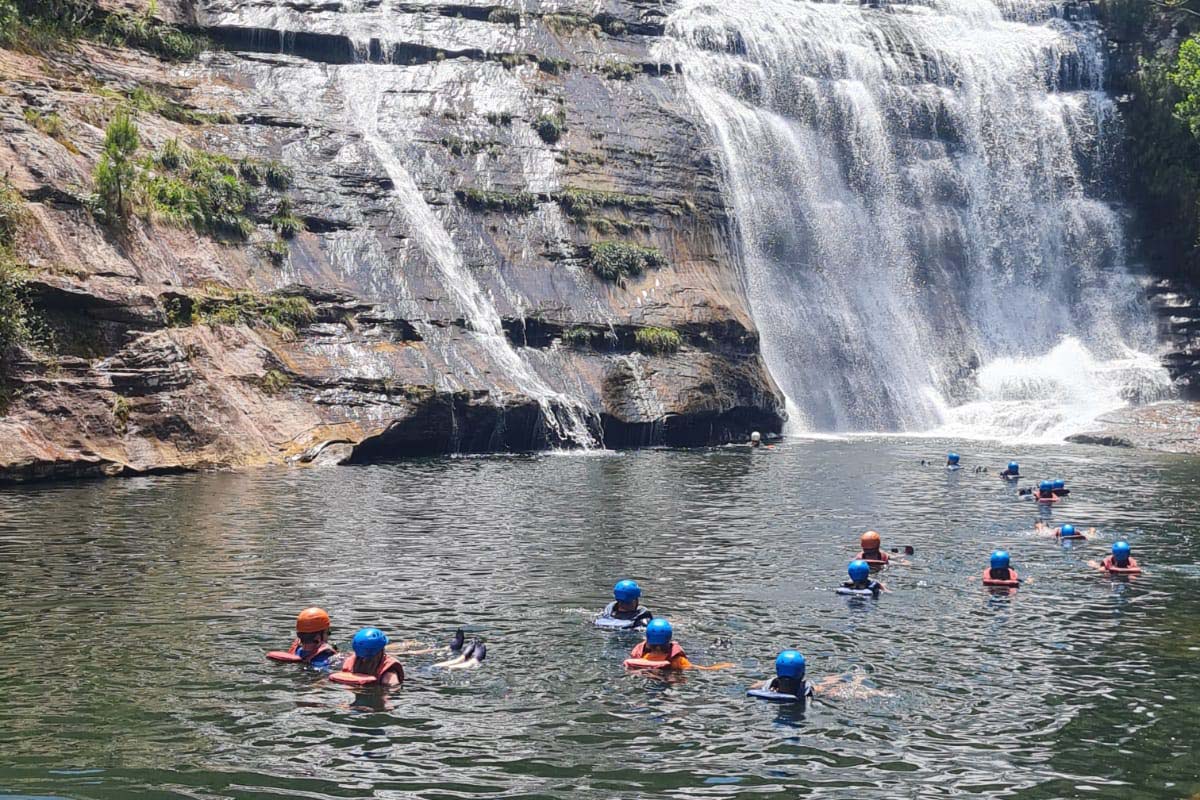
[
  {"x": 1044, "y": 491},
  {"x": 370, "y": 665},
  {"x": 1120, "y": 561},
  {"x": 412, "y": 647},
  {"x": 1058, "y": 488},
  {"x": 625, "y": 611},
  {"x": 311, "y": 645},
  {"x": 860, "y": 580},
  {"x": 1000, "y": 569},
  {"x": 658, "y": 651},
  {"x": 756, "y": 439},
  {"x": 1012, "y": 472},
  {"x": 952, "y": 462},
  {"x": 872, "y": 551},
  {"x": 790, "y": 684},
  {"x": 1065, "y": 532},
  {"x": 470, "y": 656}
]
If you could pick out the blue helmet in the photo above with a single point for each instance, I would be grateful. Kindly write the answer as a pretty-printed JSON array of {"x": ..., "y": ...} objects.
[
  {"x": 1046, "y": 486},
  {"x": 369, "y": 642},
  {"x": 790, "y": 664},
  {"x": 1120, "y": 552},
  {"x": 952, "y": 458},
  {"x": 658, "y": 632},
  {"x": 1000, "y": 559},
  {"x": 859, "y": 570},
  {"x": 1067, "y": 530},
  {"x": 1059, "y": 483},
  {"x": 1014, "y": 467},
  {"x": 627, "y": 591}
]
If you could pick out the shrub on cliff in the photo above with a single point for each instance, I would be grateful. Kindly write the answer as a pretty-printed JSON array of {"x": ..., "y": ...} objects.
[
  {"x": 9, "y": 20},
  {"x": 549, "y": 128},
  {"x": 116, "y": 173},
  {"x": 615, "y": 260},
  {"x": 657, "y": 340},
  {"x": 16, "y": 316}
]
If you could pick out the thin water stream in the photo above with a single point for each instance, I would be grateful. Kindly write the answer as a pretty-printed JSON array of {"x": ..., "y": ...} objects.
[{"x": 136, "y": 614}]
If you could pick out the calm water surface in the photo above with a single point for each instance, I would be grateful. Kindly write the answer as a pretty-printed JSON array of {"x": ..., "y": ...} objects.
[{"x": 136, "y": 613}]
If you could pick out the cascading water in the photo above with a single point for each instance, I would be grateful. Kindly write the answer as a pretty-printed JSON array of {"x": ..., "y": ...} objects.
[
  {"x": 918, "y": 191},
  {"x": 361, "y": 91}
]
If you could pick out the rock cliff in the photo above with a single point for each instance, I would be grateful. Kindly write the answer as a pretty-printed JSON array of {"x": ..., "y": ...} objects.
[{"x": 466, "y": 227}]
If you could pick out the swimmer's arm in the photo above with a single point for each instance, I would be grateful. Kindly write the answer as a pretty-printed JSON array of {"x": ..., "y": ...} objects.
[{"x": 390, "y": 679}]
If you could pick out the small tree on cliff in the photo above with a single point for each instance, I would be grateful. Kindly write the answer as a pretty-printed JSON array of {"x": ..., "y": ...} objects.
[
  {"x": 1186, "y": 76},
  {"x": 117, "y": 171}
]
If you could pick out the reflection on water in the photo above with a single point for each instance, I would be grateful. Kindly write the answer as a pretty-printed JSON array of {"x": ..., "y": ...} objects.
[{"x": 152, "y": 601}]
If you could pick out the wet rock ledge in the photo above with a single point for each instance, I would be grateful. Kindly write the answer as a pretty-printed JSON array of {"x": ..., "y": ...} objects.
[
  {"x": 1164, "y": 427},
  {"x": 327, "y": 324}
]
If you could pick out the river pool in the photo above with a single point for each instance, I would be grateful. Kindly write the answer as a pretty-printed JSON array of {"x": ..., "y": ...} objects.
[{"x": 137, "y": 611}]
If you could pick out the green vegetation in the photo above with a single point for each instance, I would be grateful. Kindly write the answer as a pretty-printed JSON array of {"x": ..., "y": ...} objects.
[
  {"x": 504, "y": 16},
  {"x": 206, "y": 192},
  {"x": 284, "y": 220},
  {"x": 657, "y": 340},
  {"x": 120, "y": 414},
  {"x": 554, "y": 66},
  {"x": 564, "y": 23},
  {"x": 17, "y": 322},
  {"x": 283, "y": 313},
  {"x": 619, "y": 70},
  {"x": 277, "y": 250},
  {"x": 273, "y": 382},
  {"x": 550, "y": 127},
  {"x": 488, "y": 200},
  {"x": 613, "y": 261},
  {"x": 499, "y": 118},
  {"x": 43, "y": 25},
  {"x": 579, "y": 203},
  {"x": 116, "y": 172},
  {"x": 459, "y": 147},
  {"x": 615, "y": 27},
  {"x": 579, "y": 338},
  {"x": 152, "y": 102},
  {"x": 514, "y": 60}
]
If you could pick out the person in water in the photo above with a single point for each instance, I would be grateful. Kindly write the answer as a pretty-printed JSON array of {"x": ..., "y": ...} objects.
[
  {"x": 791, "y": 679},
  {"x": 659, "y": 646},
  {"x": 1000, "y": 567},
  {"x": 312, "y": 645},
  {"x": 756, "y": 439},
  {"x": 1012, "y": 472},
  {"x": 625, "y": 606},
  {"x": 1058, "y": 487},
  {"x": 1044, "y": 490},
  {"x": 860, "y": 578},
  {"x": 467, "y": 655},
  {"x": 952, "y": 461},
  {"x": 370, "y": 658},
  {"x": 1120, "y": 558},
  {"x": 1067, "y": 531}
]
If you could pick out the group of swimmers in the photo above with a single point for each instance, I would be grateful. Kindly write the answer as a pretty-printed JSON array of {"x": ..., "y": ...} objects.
[{"x": 371, "y": 663}]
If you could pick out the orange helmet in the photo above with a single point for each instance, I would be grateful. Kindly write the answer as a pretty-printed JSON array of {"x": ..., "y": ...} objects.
[
  {"x": 870, "y": 540},
  {"x": 312, "y": 620}
]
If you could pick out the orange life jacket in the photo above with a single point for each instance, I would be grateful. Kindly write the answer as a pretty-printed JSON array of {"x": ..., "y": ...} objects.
[
  {"x": 639, "y": 651},
  {"x": 348, "y": 676},
  {"x": 1110, "y": 565},
  {"x": 325, "y": 649}
]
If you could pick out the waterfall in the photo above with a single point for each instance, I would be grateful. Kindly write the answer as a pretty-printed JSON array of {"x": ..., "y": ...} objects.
[{"x": 921, "y": 210}]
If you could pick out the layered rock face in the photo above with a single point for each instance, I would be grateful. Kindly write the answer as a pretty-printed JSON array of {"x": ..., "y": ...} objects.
[{"x": 470, "y": 178}]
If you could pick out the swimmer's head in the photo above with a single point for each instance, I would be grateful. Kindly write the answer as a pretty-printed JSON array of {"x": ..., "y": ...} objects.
[
  {"x": 627, "y": 591},
  {"x": 1120, "y": 553},
  {"x": 1046, "y": 486},
  {"x": 952, "y": 458},
  {"x": 869, "y": 541},
  {"x": 1068, "y": 530},
  {"x": 1000, "y": 559},
  {"x": 312, "y": 625},
  {"x": 858, "y": 570},
  {"x": 756, "y": 437},
  {"x": 658, "y": 633},
  {"x": 790, "y": 664},
  {"x": 1013, "y": 467},
  {"x": 1059, "y": 483},
  {"x": 369, "y": 642}
]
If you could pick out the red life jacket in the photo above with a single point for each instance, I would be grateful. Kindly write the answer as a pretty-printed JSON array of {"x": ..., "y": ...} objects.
[
  {"x": 1131, "y": 566},
  {"x": 639, "y": 651},
  {"x": 292, "y": 654},
  {"x": 347, "y": 674}
]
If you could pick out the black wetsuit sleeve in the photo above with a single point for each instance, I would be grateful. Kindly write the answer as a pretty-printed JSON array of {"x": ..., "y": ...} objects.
[{"x": 644, "y": 616}]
